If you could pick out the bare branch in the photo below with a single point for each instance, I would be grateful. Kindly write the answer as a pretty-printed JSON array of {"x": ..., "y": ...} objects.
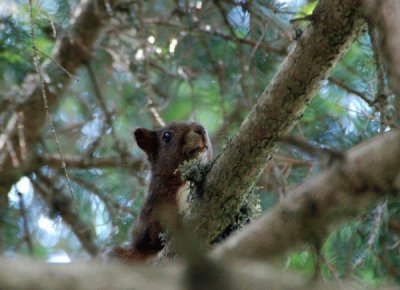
[
  {"x": 215, "y": 32},
  {"x": 351, "y": 90},
  {"x": 61, "y": 203},
  {"x": 78, "y": 162},
  {"x": 25, "y": 223}
]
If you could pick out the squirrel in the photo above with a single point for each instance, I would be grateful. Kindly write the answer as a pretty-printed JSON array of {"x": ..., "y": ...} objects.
[{"x": 166, "y": 149}]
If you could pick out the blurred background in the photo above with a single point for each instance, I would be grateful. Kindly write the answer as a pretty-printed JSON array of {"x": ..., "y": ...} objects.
[{"x": 178, "y": 60}]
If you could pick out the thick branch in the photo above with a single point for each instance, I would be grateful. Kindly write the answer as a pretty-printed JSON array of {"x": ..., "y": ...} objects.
[
  {"x": 333, "y": 27},
  {"x": 385, "y": 14},
  {"x": 27, "y": 274},
  {"x": 365, "y": 174}
]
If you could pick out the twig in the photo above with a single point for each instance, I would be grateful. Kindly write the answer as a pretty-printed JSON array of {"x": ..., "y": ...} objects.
[
  {"x": 100, "y": 98},
  {"x": 106, "y": 114},
  {"x": 327, "y": 156},
  {"x": 13, "y": 154},
  {"x": 21, "y": 136},
  {"x": 78, "y": 162},
  {"x": 147, "y": 84},
  {"x": 281, "y": 179},
  {"x": 4, "y": 137},
  {"x": 213, "y": 32},
  {"x": 219, "y": 71},
  {"x": 305, "y": 18},
  {"x": 334, "y": 271},
  {"x": 380, "y": 210},
  {"x": 374, "y": 231},
  {"x": 45, "y": 103},
  {"x": 25, "y": 223},
  {"x": 381, "y": 97},
  {"x": 292, "y": 161},
  {"x": 394, "y": 225},
  {"x": 243, "y": 64},
  {"x": 258, "y": 43},
  {"x": 59, "y": 65},
  {"x": 107, "y": 200},
  {"x": 61, "y": 204},
  {"x": 349, "y": 89}
]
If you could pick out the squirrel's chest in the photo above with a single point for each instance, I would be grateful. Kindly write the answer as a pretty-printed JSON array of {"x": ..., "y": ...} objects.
[{"x": 182, "y": 197}]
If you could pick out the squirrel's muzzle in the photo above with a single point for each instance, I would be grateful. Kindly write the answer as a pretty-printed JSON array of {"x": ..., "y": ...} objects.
[{"x": 196, "y": 143}]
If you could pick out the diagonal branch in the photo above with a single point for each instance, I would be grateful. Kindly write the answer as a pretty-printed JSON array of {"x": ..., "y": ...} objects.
[
  {"x": 333, "y": 28},
  {"x": 352, "y": 184},
  {"x": 61, "y": 204}
]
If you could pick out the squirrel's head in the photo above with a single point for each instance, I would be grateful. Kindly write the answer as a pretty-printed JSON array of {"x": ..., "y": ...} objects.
[{"x": 169, "y": 147}]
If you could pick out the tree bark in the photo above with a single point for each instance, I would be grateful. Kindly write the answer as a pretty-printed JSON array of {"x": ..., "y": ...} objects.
[
  {"x": 385, "y": 14},
  {"x": 333, "y": 27},
  {"x": 26, "y": 274},
  {"x": 364, "y": 176}
]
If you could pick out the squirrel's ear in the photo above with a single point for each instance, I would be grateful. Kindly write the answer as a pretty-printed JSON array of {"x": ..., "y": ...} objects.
[{"x": 146, "y": 140}]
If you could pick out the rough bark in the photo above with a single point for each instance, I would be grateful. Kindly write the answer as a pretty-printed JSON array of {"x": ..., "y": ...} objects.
[
  {"x": 333, "y": 27},
  {"x": 385, "y": 14},
  {"x": 364, "y": 175},
  {"x": 26, "y": 274}
]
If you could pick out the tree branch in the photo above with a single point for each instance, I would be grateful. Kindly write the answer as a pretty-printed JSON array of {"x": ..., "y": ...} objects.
[
  {"x": 335, "y": 25},
  {"x": 386, "y": 16},
  {"x": 27, "y": 274},
  {"x": 60, "y": 203},
  {"x": 77, "y": 162},
  {"x": 352, "y": 184},
  {"x": 70, "y": 52}
]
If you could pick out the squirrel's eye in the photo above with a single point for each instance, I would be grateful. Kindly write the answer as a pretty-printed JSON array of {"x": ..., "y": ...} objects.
[{"x": 167, "y": 137}]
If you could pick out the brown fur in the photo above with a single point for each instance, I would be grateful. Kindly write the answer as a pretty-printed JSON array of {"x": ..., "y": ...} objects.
[{"x": 188, "y": 140}]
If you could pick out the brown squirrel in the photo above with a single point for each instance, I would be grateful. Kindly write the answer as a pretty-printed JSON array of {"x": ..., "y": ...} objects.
[{"x": 166, "y": 149}]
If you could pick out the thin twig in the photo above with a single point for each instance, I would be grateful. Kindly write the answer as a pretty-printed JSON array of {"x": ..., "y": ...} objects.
[
  {"x": 59, "y": 65},
  {"x": 243, "y": 65},
  {"x": 25, "y": 223},
  {"x": 106, "y": 199},
  {"x": 13, "y": 154},
  {"x": 381, "y": 97},
  {"x": 62, "y": 205},
  {"x": 146, "y": 67},
  {"x": 21, "y": 137},
  {"x": 214, "y": 32},
  {"x": 349, "y": 89},
  {"x": 99, "y": 95},
  {"x": 45, "y": 103},
  {"x": 79, "y": 162},
  {"x": 255, "y": 48},
  {"x": 4, "y": 137}
]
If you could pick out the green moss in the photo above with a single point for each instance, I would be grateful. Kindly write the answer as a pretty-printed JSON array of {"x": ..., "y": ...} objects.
[{"x": 194, "y": 171}]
